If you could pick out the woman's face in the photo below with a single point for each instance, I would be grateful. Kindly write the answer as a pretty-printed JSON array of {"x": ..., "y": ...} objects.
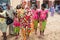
[
  {"x": 8, "y": 7},
  {"x": 22, "y": 6},
  {"x": 42, "y": 8},
  {"x": 34, "y": 8}
]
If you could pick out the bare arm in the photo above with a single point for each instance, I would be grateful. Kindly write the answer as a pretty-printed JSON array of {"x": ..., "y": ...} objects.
[
  {"x": 47, "y": 15},
  {"x": 2, "y": 16}
]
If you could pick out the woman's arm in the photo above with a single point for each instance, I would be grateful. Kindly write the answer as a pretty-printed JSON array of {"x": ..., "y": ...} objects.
[
  {"x": 2, "y": 16},
  {"x": 46, "y": 15}
]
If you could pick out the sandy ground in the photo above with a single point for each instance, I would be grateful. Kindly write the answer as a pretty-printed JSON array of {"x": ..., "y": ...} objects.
[{"x": 52, "y": 31}]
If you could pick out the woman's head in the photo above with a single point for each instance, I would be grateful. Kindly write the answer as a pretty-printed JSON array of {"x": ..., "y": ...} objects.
[
  {"x": 8, "y": 6},
  {"x": 43, "y": 6},
  {"x": 18, "y": 7},
  {"x": 35, "y": 7}
]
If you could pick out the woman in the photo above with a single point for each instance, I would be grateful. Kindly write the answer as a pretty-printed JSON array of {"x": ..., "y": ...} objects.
[
  {"x": 3, "y": 25},
  {"x": 35, "y": 18},
  {"x": 42, "y": 19},
  {"x": 16, "y": 24},
  {"x": 21, "y": 14},
  {"x": 28, "y": 21}
]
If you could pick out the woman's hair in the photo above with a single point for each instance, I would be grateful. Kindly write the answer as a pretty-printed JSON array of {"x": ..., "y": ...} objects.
[
  {"x": 43, "y": 5},
  {"x": 18, "y": 7},
  {"x": 35, "y": 5}
]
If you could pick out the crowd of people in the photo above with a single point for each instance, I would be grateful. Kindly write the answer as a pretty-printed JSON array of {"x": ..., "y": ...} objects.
[{"x": 23, "y": 19}]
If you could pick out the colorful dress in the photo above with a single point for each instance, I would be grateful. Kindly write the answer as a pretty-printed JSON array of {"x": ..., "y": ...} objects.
[
  {"x": 35, "y": 18},
  {"x": 16, "y": 24},
  {"x": 20, "y": 14},
  {"x": 43, "y": 18},
  {"x": 27, "y": 21}
]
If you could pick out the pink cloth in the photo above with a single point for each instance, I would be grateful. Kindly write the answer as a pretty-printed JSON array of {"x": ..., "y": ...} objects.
[
  {"x": 43, "y": 14},
  {"x": 35, "y": 14},
  {"x": 16, "y": 23}
]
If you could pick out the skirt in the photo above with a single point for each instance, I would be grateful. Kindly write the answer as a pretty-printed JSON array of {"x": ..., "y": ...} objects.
[
  {"x": 35, "y": 24},
  {"x": 16, "y": 30},
  {"x": 43, "y": 25}
]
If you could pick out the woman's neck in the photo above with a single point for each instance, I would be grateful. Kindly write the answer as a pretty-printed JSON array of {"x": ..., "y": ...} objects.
[
  {"x": 43, "y": 9},
  {"x": 34, "y": 9}
]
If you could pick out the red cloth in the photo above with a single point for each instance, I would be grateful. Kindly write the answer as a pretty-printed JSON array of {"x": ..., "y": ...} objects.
[{"x": 16, "y": 23}]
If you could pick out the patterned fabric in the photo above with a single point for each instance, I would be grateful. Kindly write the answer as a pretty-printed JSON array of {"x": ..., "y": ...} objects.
[
  {"x": 22, "y": 22},
  {"x": 27, "y": 21},
  {"x": 20, "y": 14}
]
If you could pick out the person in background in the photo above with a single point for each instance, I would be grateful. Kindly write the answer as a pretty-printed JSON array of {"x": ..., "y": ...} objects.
[
  {"x": 43, "y": 14},
  {"x": 10, "y": 13},
  {"x": 3, "y": 25},
  {"x": 52, "y": 10},
  {"x": 59, "y": 9}
]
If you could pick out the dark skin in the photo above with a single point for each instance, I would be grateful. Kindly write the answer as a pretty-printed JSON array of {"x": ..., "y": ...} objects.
[{"x": 42, "y": 32}]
